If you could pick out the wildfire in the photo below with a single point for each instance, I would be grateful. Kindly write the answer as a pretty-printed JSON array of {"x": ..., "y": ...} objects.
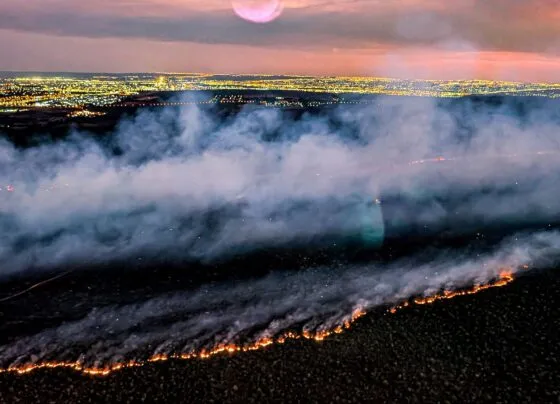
[{"x": 504, "y": 279}]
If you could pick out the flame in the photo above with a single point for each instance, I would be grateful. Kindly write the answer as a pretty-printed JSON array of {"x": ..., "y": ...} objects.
[{"x": 505, "y": 277}]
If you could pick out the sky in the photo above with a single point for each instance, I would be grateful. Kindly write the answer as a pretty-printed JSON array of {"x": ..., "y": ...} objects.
[{"x": 426, "y": 39}]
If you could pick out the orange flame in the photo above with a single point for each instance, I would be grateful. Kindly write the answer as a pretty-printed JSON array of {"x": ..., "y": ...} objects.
[{"x": 505, "y": 277}]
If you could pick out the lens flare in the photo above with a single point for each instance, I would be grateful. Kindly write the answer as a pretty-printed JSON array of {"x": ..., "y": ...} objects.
[{"x": 258, "y": 11}]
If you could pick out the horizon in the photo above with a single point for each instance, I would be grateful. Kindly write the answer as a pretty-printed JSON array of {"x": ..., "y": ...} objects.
[{"x": 194, "y": 73}]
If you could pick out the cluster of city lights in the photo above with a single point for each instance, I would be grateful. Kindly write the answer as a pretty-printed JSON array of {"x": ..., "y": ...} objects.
[{"x": 67, "y": 91}]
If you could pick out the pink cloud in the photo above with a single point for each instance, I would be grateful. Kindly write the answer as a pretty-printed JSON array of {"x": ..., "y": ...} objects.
[{"x": 507, "y": 39}]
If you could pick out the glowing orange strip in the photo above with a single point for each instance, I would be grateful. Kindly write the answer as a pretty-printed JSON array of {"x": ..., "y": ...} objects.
[{"x": 504, "y": 279}]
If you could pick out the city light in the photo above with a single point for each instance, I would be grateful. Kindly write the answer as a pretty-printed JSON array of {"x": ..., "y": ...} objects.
[{"x": 111, "y": 90}]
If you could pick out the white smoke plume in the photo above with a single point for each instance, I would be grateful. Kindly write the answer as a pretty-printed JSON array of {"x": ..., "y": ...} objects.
[
  {"x": 75, "y": 201},
  {"x": 183, "y": 184}
]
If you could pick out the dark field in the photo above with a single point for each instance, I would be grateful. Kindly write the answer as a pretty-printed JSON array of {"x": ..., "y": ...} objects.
[
  {"x": 177, "y": 230},
  {"x": 500, "y": 345}
]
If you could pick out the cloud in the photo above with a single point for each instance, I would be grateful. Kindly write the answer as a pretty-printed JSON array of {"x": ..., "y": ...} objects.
[{"x": 510, "y": 27}]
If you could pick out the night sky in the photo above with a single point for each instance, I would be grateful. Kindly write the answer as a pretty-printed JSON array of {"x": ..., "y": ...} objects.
[{"x": 462, "y": 39}]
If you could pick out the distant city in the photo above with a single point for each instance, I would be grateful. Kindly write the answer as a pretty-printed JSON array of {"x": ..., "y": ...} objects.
[
  {"x": 48, "y": 90},
  {"x": 39, "y": 102}
]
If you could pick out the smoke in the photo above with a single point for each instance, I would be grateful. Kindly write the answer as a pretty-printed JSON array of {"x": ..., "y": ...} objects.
[
  {"x": 185, "y": 184},
  {"x": 315, "y": 299},
  {"x": 189, "y": 183}
]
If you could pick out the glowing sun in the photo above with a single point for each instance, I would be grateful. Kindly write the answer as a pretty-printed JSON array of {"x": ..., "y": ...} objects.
[{"x": 258, "y": 11}]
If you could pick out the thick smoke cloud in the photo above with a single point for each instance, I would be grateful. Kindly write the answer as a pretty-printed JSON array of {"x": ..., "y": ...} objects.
[{"x": 183, "y": 184}]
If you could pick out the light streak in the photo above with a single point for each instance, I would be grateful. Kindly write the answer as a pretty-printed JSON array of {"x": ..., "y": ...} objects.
[
  {"x": 36, "y": 285},
  {"x": 505, "y": 277}
]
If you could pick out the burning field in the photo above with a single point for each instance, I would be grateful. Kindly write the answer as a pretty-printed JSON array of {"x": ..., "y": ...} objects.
[
  {"x": 318, "y": 335},
  {"x": 187, "y": 239}
]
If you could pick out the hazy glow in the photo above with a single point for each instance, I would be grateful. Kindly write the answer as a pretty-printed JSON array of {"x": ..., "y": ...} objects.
[
  {"x": 258, "y": 11},
  {"x": 463, "y": 39}
]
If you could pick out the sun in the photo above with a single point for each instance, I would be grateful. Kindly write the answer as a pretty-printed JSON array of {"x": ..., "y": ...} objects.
[{"x": 258, "y": 11}]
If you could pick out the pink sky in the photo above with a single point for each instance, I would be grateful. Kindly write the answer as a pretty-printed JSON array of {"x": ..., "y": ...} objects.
[{"x": 462, "y": 39}]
